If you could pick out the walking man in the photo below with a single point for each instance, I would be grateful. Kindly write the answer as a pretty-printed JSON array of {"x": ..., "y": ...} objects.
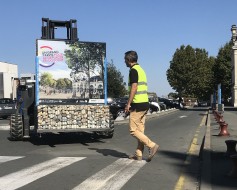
[{"x": 138, "y": 106}]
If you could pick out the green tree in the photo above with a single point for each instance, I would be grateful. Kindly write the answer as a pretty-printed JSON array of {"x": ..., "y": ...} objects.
[
  {"x": 83, "y": 58},
  {"x": 60, "y": 84},
  {"x": 63, "y": 83},
  {"x": 46, "y": 79},
  {"x": 116, "y": 84},
  {"x": 180, "y": 71},
  {"x": 68, "y": 82},
  {"x": 222, "y": 70},
  {"x": 190, "y": 73},
  {"x": 202, "y": 82}
]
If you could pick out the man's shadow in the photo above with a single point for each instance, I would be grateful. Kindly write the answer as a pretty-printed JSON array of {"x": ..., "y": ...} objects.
[{"x": 109, "y": 152}]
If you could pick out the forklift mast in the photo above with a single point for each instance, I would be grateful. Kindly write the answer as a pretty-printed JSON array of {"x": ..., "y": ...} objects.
[{"x": 49, "y": 27}]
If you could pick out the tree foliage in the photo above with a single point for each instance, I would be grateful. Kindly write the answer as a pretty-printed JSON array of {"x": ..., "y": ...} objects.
[
  {"x": 193, "y": 73},
  {"x": 116, "y": 84},
  {"x": 83, "y": 58},
  {"x": 190, "y": 72},
  {"x": 46, "y": 79},
  {"x": 222, "y": 70},
  {"x": 63, "y": 83}
]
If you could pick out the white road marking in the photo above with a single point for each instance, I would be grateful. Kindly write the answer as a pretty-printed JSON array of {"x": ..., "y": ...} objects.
[
  {"x": 182, "y": 116},
  {"x": 23, "y": 177},
  {"x": 4, "y": 127},
  {"x": 9, "y": 158},
  {"x": 113, "y": 176}
]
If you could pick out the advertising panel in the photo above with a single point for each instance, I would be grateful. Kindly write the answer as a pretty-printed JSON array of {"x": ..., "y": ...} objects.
[{"x": 70, "y": 71}]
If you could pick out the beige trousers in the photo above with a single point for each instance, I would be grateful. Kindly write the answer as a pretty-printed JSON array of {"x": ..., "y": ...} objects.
[{"x": 137, "y": 128}]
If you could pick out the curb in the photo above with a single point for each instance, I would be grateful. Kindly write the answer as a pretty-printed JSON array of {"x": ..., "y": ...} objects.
[
  {"x": 190, "y": 177},
  {"x": 205, "y": 181},
  {"x": 149, "y": 116}
]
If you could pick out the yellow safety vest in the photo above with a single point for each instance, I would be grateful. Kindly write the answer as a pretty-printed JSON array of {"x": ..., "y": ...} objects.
[{"x": 141, "y": 94}]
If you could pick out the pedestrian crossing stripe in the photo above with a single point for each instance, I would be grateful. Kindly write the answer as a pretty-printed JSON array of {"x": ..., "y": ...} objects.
[
  {"x": 9, "y": 158},
  {"x": 5, "y": 128},
  {"x": 113, "y": 176},
  {"x": 23, "y": 177}
]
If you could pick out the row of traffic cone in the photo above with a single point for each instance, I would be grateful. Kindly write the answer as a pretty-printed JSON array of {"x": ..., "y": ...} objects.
[
  {"x": 222, "y": 123},
  {"x": 231, "y": 144}
]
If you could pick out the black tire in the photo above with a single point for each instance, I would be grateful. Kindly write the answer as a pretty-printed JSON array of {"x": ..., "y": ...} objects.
[
  {"x": 16, "y": 127},
  {"x": 150, "y": 110}
]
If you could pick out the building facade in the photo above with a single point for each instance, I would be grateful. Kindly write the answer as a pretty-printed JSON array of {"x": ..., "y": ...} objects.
[
  {"x": 91, "y": 89},
  {"x": 29, "y": 76},
  {"x": 8, "y": 72}
]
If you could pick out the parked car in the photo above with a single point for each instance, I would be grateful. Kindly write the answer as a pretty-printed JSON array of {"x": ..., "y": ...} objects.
[
  {"x": 195, "y": 104},
  {"x": 202, "y": 103},
  {"x": 154, "y": 106},
  {"x": 162, "y": 106},
  {"x": 7, "y": 107},
  {"x": 117, "y": 107},
  {"x": 168, "y": 103}
]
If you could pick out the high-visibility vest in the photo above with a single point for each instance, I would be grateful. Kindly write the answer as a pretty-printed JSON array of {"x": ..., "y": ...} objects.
[{"x": 141, "y": 94}]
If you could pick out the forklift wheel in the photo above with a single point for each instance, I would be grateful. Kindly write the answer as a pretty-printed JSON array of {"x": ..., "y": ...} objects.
[
  {"x": 16, "y": 127},
  {"x": 110, "y": 133}
]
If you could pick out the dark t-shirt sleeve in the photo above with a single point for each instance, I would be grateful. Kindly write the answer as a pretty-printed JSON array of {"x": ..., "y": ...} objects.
[{"x": 133, "y": 75}]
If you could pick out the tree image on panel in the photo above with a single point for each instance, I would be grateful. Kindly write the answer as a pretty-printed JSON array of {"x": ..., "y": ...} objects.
[{"x": 85, "y": 60}]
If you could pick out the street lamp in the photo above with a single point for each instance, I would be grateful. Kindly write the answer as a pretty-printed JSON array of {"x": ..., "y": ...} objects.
[{"x": 234, "y": 32}]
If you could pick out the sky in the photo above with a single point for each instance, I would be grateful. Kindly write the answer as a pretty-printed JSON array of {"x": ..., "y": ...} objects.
[{"x": 153, "y": 28}]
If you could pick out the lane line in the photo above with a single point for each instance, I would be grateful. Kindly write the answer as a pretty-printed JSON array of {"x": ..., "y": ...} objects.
[
  {"x": 206, "y": 165},
  {"x": 184, "y": 181},
  {"x": 23, "y": 177},
  {"x": 4, "y": 127},
  {"x": 9, "y": 158},
  {"x": 113, "y": 176},
  {"x": 203, "y": 122}
]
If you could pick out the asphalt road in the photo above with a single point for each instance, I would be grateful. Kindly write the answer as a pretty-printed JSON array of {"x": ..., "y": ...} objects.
[
  {"x": 81, "y": 161},
  {"x": 4, "y": 122}
]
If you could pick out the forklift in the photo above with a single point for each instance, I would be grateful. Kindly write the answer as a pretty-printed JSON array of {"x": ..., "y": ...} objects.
[{"x": 24, "y": 123}]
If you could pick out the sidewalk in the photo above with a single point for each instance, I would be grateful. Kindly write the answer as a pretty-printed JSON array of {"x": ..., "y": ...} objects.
[{"x": 216, "y": 164}]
